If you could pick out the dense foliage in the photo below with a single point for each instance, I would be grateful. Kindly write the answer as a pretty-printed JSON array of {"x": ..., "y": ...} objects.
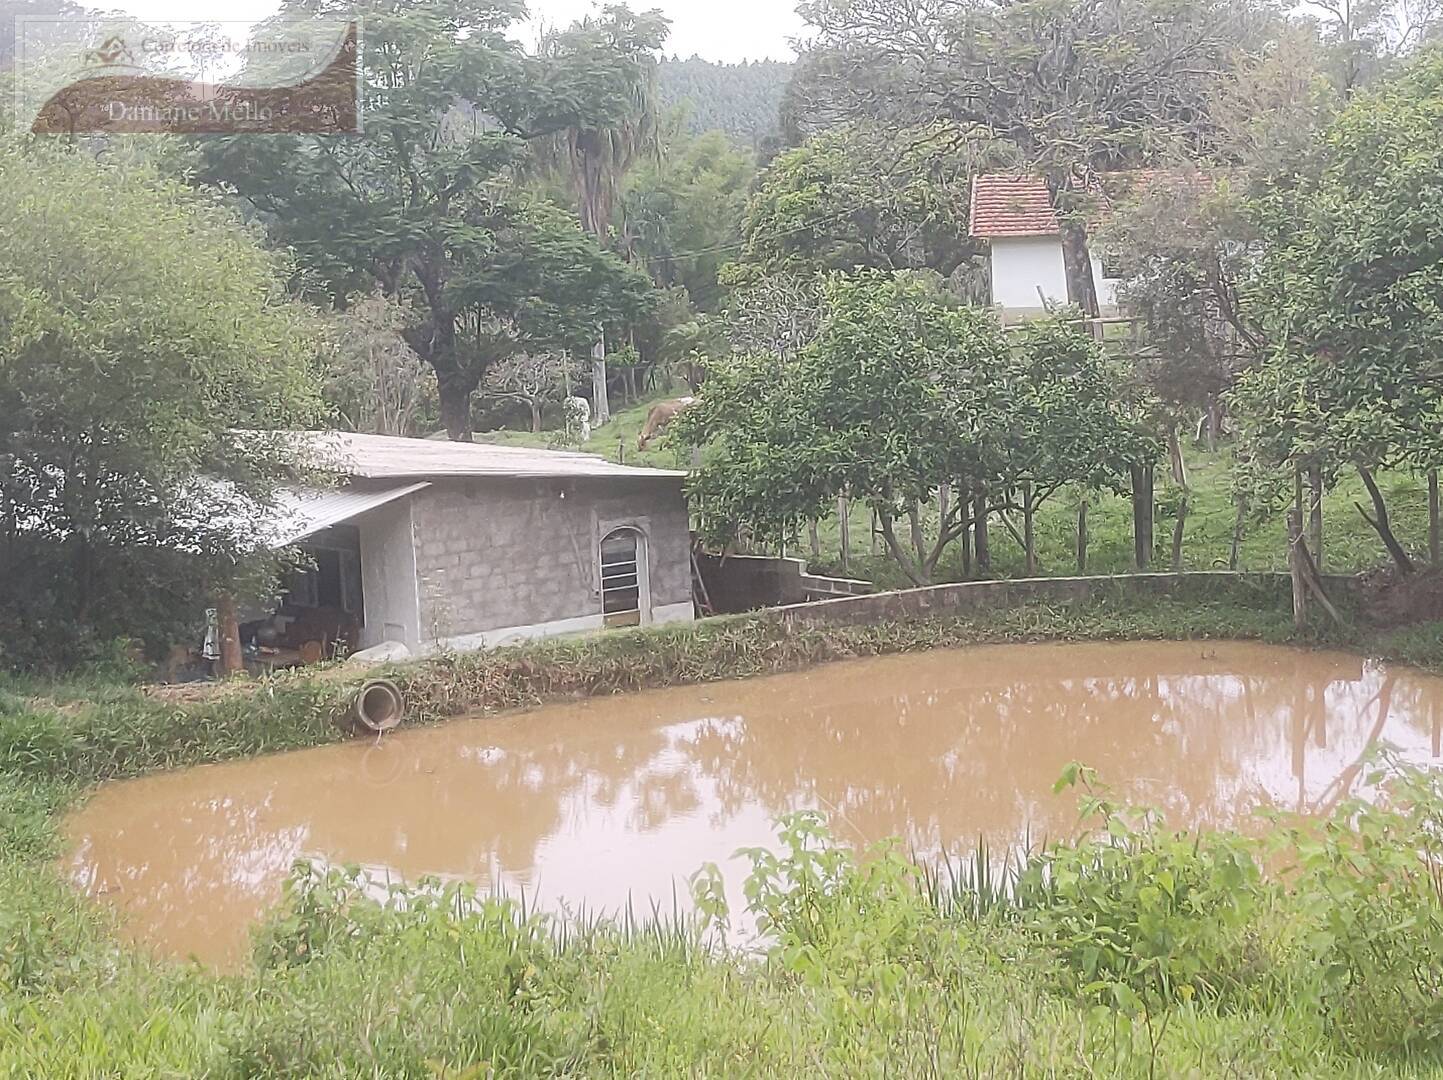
[
  {"x": 1348, "y": 283},
  {"x": 373, "y": 380},
  {"x": 901, "y": 390},
  {"x": 424, "y": 207},
  {"x": 857, "y": 197},
  {"x": 140, "y": 328},
  {"x": 680, "y": 215}
]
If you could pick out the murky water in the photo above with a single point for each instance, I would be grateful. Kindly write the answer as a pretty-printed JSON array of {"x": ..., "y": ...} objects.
[{"x": 586, "y": 804}]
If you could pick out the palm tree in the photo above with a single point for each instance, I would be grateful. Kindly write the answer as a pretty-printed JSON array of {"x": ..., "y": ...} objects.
[{"x": 609, "y": 124}]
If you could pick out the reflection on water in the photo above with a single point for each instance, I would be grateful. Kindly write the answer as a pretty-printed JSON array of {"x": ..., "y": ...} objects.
[{"x": 587, "y": 804}]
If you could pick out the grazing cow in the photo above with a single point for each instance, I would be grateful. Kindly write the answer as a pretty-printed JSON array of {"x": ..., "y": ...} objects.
[{"x": 660, "y": 419}]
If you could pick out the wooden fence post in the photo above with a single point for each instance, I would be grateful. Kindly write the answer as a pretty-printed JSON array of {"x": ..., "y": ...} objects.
[
  {"x": 1295, "y": 567},
  {"x": 984, "y": 547},
  {"x": 844, "y": 528},
  {"x": 1240, "y": 523},
  {"x": 1435, "y": 530},
  {"x": 1142, "y": 515},
  {"x": 1082, "y": 536},
  {"x": 1178, "y": 530},
  {"x": 1029, "y": 529}
]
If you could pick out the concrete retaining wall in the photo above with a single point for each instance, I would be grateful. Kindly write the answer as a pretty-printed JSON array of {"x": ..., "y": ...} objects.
[
  {"x": 944, "y": 600},
  {"x": 739, "y": 583},
  {"x": 829, "y": 588}
]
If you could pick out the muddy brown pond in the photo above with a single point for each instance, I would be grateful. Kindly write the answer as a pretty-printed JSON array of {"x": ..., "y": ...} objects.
[{"x": 588, "y": 804}]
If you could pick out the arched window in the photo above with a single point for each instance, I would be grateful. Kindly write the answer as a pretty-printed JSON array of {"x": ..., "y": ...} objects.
[{"x": 623, "y": 578}]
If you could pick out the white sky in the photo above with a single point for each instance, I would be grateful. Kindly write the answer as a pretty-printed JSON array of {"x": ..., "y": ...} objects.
[{"x": 726, "y": 30}]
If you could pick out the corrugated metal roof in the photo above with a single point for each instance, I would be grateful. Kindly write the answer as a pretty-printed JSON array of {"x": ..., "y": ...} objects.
[
  {"x": 303, "y": 512},
  {"x": 384, "y": 457},
  {"x": 1009, "y": 205}
]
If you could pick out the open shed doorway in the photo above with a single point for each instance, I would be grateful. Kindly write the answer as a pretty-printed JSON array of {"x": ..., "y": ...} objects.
[{"x": 625, "y": 589}]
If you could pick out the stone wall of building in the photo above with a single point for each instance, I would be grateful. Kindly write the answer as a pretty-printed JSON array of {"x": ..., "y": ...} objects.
[{"x": 524, "y": 555}]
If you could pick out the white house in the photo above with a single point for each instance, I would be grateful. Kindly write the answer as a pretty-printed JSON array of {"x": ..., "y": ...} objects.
[{"x": 1016, "y": 217}]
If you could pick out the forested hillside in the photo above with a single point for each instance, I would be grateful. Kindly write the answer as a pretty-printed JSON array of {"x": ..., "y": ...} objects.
[
  {"x": 742, "y": 100},
  {"x": 15, "y": 12}
]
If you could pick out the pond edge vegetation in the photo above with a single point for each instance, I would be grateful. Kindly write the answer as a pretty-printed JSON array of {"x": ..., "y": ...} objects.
[
  {"x": 58, "y": 955},
  {"x": 84, "y": 733}
]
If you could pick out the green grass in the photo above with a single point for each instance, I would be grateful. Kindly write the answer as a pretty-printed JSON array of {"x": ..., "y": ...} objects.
[
  {"x": 616, "y": 441},
  {"x": 1351, "y": 545},
  {"x": 876, "y": 971}
]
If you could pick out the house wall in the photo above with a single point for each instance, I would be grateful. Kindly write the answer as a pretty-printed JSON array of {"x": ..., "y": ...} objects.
[
  {"x": 499, "y": 561},
  {"x": 1106, "y": 289},
  {"x": 1020, "y": 265},
  {"x": 388, "y": 576}
]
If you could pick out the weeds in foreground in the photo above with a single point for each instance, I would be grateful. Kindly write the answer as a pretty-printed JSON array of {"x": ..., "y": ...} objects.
[{"x": 1135, "y": 951}]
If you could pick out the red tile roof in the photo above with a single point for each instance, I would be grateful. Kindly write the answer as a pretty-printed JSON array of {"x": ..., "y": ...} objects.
[{"x": 1004, "y": 204}]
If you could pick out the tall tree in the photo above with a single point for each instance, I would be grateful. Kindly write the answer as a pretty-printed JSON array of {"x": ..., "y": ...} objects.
[
  {"x": 140, "y": 328},
  {"x": 742, "y": 101},
  {"x": 1076, "y": 87},
  {"x": 680, "y": 214},
  {"x": 1185, "y": 245},
  {"x": 534, "y": 379},
  {"x": 373, "y": 379},
  {"x": 1366, "y": 37},
  {"x": 773, "y": 312},
  {"x": 426, "y": 206},
  {"x": 858, "y": 196},
  {"x": 1061, "y": 424},
  {"x": 1349, "y": 286},
  {"x": 901, "y": 389},
  {"x": 603, "y": 125},
  {"x": 877, "y": 405}
]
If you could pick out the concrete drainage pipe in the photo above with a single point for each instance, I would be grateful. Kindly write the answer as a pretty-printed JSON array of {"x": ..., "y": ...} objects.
[{"x": 378, "y": 707}]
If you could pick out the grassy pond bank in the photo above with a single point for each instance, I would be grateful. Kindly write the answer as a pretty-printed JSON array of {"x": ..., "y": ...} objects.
[{"x": 1129, "y": 950}]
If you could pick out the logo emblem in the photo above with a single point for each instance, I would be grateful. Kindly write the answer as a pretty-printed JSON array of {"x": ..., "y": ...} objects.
[{"x": 110, "y": 53}]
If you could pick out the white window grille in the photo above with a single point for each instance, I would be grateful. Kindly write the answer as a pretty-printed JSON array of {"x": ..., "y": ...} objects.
[{"x": 621, "y": 584}]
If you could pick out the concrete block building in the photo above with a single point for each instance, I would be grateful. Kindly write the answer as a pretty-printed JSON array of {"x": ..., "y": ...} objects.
[{"x": 462, "y": 546}]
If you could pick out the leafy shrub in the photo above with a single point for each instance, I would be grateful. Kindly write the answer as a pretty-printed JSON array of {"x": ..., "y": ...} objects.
[
  {"x": 358, "y": 969},
  {"x": 861, "y": 935},
  {"x": 1137, "y": 913},
  {"x": 1367, "y": 907}
]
